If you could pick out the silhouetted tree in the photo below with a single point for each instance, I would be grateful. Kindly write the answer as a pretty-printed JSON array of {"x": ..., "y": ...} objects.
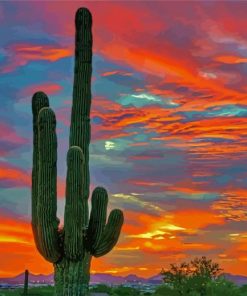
[
  {"x": 177, "y": 276},
  {"x": 192, "y": 277}
]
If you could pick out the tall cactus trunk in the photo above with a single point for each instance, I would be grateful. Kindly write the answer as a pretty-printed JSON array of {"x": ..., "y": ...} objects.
[
  {"x": 72, "y": 277},
  {"x": 71, "y": 248}
]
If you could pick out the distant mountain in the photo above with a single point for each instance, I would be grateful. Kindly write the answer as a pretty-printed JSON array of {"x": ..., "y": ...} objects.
[
  {"x": 132, "y": 278},
  {"x": 239, "y": 280},
  {"x": 156, "y": 279},
  {"x": 96, "y": 278},
  {"x": 105, "y": 278},
  {"x": 19, "y": 279}
]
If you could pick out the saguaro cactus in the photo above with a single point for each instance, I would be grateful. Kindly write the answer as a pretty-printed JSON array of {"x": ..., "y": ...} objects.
[{"x": 71, "y": 248}]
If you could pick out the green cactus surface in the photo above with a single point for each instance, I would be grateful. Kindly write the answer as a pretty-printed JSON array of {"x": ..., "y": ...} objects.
[{"x": 70, "y": 248}]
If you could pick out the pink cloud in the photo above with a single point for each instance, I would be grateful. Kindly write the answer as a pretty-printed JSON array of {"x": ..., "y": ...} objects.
[
  {"x": 48, "y": 88},
  {"x": 15, "y": 176},
  {"x": 21, "y": 54},
  {"x": 9, "y": 134},
  {"x": 8, "y": 137}
]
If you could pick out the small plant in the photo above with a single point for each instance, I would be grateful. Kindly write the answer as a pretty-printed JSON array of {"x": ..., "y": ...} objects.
[{"x": 25, "y": 291}]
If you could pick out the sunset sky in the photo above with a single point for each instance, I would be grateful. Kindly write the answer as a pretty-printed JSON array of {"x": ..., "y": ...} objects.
[{"x": 168, "y": 119}]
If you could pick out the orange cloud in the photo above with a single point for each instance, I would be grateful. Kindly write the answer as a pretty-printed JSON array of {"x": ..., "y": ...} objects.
[
  {"x": 232, "y": 205},
  {"x": 16, "y": 176},
  {"x": 185, "y": 136},
  {"x": 218, "y": 127},
  {"x": 24, "y": 53},
  {"x": 162, "y": 236},
  {"x": 177, "y": 71},
  {"x": 17, "y": 250},
  {"x": 230, "y": 59},
  {"x": 117, "y": 72},
  {"x": 196, "y": 219}
]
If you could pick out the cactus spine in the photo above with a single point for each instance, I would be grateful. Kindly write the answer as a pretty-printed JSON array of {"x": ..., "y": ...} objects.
[
  {"x": 25, "y": 291},
  {"x": 71, "y": 248}
]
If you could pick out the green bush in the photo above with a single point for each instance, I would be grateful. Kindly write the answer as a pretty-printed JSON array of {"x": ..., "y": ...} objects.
[
  {"x": 222, "y": 287},
  {"x": 165, "y": 290},
  {"x": 125, "y": 291},
  {"x": 101, "y": 289}
]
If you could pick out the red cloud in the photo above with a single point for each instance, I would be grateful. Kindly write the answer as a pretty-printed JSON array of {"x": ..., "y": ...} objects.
[
  {"x": 48, "y": 88},
  {"x": 16, "y": 176},
  {"x": 21, "y": 54}
]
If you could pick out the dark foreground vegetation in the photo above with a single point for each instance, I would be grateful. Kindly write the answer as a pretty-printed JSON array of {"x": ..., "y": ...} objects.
[
  {"x": 219, "y": 288},
  {"x": 199, "y": 277},
  {"x": 37, "y": 291}
]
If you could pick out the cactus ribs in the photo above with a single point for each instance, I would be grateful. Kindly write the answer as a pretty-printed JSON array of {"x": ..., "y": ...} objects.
[{"x": 70, "y": 249}]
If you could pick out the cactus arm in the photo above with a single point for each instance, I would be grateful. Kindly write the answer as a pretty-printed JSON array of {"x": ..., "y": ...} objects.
[
  {"x": 111, "y": 233},
  {"x": 47, "y": 222},
  {"x": 39, "y": 100},
  {"x": 97, "y": 219},
  {"x": 80, "y": 115},
  {"x": 73, "y": 241}
]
